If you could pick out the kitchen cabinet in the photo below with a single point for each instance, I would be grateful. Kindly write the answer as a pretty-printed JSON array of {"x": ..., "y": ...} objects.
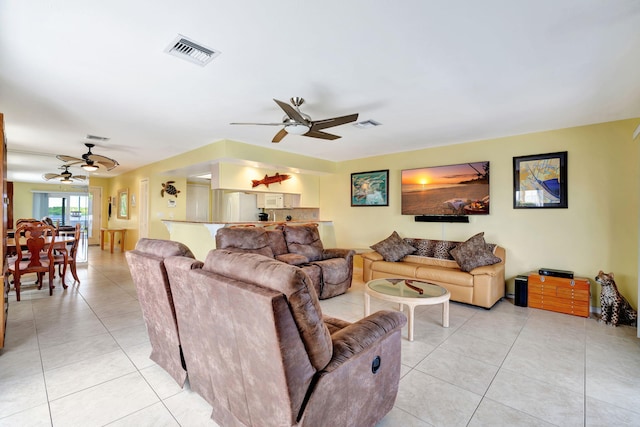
[
  {"x": 278, "y": 200},
  {"x": 292, "y": 200}
]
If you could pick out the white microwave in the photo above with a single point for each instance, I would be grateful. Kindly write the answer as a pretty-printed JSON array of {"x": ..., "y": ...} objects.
[{"x": 272, "y": 201}]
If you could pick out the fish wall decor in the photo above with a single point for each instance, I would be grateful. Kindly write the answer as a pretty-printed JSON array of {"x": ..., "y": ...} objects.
[{"x": 270, "y": 180}]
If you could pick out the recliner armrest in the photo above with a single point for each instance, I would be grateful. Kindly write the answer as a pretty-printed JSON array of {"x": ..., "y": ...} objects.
[
  {"x": 362, "y": 335},
  {"x": 337, "y": 253}
]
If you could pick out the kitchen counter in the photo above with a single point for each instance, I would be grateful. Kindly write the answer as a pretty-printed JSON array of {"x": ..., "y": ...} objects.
[{"x": 192, "y": 234}]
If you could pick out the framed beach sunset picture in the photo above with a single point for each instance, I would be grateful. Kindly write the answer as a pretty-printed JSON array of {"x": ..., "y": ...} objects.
[{"x": 451, "y": 190}]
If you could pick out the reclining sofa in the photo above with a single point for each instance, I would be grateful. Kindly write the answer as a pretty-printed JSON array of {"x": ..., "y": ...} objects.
[
  {"x": 267, "y": 356},
  {"x": 330, "y": 270}
]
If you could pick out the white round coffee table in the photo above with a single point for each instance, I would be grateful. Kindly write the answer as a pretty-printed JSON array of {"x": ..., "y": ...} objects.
[{"x": 410, "y": 293}]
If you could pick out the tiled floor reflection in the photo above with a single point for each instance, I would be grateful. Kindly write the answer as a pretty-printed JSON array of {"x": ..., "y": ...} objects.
[{"x": 80, "y": 358}]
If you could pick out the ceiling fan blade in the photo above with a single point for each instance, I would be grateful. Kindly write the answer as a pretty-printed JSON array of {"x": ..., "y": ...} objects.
[
  {"x": 69, "y": 158},
  {"x": 291, "y": 112},
  {"x": 104, "y": 161},
  {"x": 80, "y": 177},
  {"x": 260, "y": 124},
  {"x": 321, "y": 135},
  {"x": 279, "y": 135},
  {"x": 336, "y": 121},
  {"x": 49, "y": 176}
]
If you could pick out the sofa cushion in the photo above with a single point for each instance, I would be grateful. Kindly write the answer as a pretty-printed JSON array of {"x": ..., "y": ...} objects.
[
  {"x": 442, "y": 249},
  {"x": 293, "y": 259},
  {"x": 304, "y": 240},
  {"x": 277, "y": 242},
  {"x": 393, "y": 248},
  {"x": 442, "y": 275},
  {"x": 431, "y": 261},
  {"x": 247, "y": 239},
  {"x": 424, "y": 247},
  {"x": 392, "y": 269},
  {"x": 474, "y": 253}
]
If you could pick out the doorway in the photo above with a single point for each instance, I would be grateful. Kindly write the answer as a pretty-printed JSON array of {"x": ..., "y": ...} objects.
[
  {"x": 143, "y": 210},
  {"x": 95, "y": 216},
  {"x": 65, "y": 211}
]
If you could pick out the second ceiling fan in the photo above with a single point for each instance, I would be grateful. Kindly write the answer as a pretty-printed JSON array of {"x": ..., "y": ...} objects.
[
  {"x": 296, "y": 122},
  {"x": 66, "y": 176}
]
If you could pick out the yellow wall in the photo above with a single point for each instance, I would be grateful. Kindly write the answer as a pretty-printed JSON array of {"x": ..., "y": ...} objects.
[{"x": 598, "y": 231}]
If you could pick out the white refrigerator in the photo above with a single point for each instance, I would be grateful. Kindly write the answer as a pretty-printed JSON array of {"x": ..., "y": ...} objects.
[{"x": 240, "y": 207}]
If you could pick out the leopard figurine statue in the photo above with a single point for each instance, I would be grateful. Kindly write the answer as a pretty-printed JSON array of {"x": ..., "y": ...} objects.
[{"x": 615, "y": 309}]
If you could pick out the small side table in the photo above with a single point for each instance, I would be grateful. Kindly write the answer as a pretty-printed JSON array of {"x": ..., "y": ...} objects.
[{"x": 112, "y": 232}]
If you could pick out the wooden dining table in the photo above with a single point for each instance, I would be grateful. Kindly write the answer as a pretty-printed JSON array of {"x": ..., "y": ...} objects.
[{"x": 60, "y": 241}]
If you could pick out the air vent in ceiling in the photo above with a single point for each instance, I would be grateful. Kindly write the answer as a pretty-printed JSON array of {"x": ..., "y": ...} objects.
[
  {"x": 366, "y": 124},
  {"x": 187, "y": 49},
  {"x": 90, "y": 137}
]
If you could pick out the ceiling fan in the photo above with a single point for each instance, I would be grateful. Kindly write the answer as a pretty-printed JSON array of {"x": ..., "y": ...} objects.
[
  {"x": 67, "y": 177},
  {"x": 90, "y": 161},
  {"x": 296, "y": 122}
]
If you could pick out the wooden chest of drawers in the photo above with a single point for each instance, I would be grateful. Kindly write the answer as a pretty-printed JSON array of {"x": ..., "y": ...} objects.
[{"x": 570, "y": 296}]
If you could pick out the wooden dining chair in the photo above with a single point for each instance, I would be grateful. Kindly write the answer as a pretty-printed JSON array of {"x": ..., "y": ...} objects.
[
  {"x": 38, "y": 240},
  {"x": 70, "y": 260}
]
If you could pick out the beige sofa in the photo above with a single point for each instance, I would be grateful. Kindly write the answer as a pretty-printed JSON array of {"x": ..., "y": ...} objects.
[{"x": 481, "y": 286}]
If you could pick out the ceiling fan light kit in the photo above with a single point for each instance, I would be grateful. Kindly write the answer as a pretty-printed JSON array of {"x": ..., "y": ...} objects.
[
  {"x": 295, "y": 122},
  {"x": 89, "y": 168},
  {"x": 296, "y": 129}
]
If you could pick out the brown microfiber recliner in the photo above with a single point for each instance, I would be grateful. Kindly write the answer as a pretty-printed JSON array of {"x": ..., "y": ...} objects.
[
  {"x": 146, "y": 264},
  {"x": 272, "y": 358},
  {"x": 330, "y": 270}
]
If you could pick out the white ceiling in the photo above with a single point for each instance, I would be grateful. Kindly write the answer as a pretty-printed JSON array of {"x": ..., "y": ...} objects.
[{"x": 432, "y": 72}]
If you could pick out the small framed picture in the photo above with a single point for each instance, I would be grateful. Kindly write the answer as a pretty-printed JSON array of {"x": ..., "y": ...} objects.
[
  {"x": 370, "y": 188},
  {"x": 123, "y": 204},
  {"x": 540, "y": 181}
]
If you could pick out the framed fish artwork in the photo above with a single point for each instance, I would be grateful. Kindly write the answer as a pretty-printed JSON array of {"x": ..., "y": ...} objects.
[{"x": 540, "y": 181}]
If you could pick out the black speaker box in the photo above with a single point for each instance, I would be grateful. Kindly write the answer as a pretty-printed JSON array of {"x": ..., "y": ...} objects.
[{"x": 522, "y": 289}]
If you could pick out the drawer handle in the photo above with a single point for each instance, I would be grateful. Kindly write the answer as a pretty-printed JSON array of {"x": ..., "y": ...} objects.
[
  {"x": 542, "y": 278},
  {"x": 573, "y": 282}
]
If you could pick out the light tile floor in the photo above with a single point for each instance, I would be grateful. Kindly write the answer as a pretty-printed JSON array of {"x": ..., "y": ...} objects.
[{"x": 80, "y": 358}]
